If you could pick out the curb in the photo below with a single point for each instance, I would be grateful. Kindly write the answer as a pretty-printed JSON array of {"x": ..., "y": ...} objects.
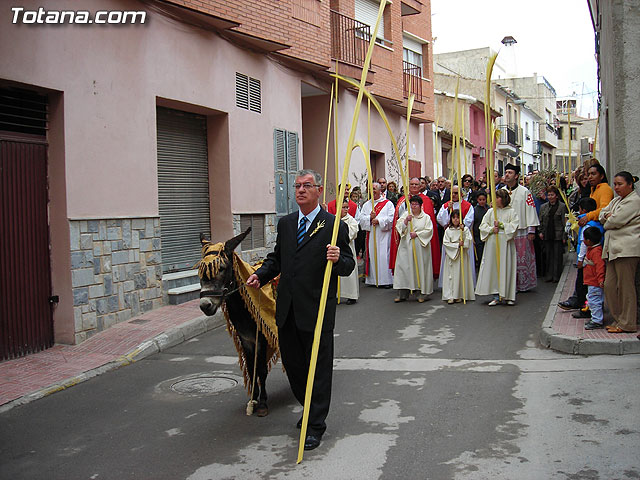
[
  {"x": 549, "y": 338},
  {"x": 159, "y": 343}
]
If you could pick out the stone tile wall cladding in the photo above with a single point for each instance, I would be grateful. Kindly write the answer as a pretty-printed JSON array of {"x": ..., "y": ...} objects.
[
  {"x": 270, "y": 234},
  {"x": 116, "y": 271}
]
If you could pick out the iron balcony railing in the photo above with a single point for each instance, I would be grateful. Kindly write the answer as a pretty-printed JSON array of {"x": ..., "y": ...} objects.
[
  {"x": 511, "y": 134},
  {"x": 412, "y": 77},
  {"x": 349, "y": 39},
  {"x": 537, "y": 147}
]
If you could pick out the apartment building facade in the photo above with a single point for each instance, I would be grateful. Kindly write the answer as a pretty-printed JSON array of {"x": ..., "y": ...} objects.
[
  {"x": 144, "y": 135},
  {"x": 615, "y": 27}
]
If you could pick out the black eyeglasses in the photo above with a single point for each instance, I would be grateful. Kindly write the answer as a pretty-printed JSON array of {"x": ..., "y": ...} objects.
[{"x": 306, "y": 186}]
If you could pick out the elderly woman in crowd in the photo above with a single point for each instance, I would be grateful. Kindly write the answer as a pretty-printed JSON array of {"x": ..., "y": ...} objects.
[
  {"x": 551, "y": 232},
  {"x": 621, "y": 221}
]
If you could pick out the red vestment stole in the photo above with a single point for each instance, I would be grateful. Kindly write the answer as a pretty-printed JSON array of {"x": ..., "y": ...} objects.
[{"x": 465, "y": 207}]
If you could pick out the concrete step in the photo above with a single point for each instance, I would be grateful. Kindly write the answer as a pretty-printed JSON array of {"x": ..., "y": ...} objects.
[
  {"x": 179, "y": 279},
  {"x": 183, "y": 294}
]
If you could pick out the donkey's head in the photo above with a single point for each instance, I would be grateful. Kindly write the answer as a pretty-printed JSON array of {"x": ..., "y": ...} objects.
[{"x": 216, "y": 272}]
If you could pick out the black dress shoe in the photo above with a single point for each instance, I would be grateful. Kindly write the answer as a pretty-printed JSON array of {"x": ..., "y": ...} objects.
[
  {"x": 581, "y": 314},
  {"x": 312, "y": 441},
  {"x": 351, "y": 301},
  {"x": 566, "y": 305}
]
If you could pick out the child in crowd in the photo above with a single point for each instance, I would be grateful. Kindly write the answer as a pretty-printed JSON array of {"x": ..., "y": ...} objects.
[
  {"x": 479, "y": 210},
  {"x": 501, "y": 282},
  {"x": 456, "y": 243},
  {"x": 593, "y": 274},
  {"x": 579, "y": 297}
]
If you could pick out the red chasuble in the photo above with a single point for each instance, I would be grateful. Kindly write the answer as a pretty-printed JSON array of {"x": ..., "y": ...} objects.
[
  {"x": 427, "y": 207},
  {"x": 331, "y": 208}
]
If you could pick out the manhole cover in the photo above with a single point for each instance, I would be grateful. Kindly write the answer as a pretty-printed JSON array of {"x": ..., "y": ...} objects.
[{"x": 205, "y": 385}]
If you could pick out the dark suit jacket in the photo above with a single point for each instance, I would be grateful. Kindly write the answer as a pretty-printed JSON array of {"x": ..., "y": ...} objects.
[{"x": 302, "y": 270}]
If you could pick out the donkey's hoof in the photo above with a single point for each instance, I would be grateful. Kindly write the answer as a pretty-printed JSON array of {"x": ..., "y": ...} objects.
[{"x": 262, "y": 410}]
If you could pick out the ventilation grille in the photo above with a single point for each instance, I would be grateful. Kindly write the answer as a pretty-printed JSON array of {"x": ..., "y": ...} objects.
[
  {"x": 255, "y": 239},
  {"x": 23, "y": 111},
  {"x": 248, "y": 93}
]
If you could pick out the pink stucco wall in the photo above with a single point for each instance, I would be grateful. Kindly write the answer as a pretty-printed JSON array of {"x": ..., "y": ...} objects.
[{"x": 110, "y": 77}]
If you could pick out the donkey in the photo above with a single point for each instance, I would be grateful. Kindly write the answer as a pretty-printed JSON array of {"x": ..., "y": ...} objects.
[{"x": 220, "y": 288}]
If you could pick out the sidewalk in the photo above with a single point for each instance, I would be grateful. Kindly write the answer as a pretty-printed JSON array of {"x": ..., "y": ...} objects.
[
  {"x": 29, "y": 378},
  {"x": 560, "y": 331}
]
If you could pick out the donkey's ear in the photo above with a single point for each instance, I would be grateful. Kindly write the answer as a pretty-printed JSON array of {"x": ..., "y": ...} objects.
[
  {"x": 230, "y": 245},
  {"x": 203, "y": 239}
]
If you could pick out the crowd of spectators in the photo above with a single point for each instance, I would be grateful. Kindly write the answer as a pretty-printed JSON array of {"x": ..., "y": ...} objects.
[{"x": 575, "y": 212}]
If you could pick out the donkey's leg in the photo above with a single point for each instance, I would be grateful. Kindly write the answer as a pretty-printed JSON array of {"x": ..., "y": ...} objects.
[
  {"x": 262, "y": 409},
  {"x": 249, "y": 350}
]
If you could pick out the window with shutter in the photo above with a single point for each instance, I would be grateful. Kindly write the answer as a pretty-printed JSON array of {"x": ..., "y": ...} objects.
[
  {"x": 366, "y": 11},
  {"x": 285, "y": 150}
]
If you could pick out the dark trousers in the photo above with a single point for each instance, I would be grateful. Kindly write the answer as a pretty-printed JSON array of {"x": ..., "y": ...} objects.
[
  {"x": 579, "y": 291},
  {"x": 553, "y": 251},
  {"x": 479, "y": 250},
  {"x": 295, "y": 351},
  {"x": 361, "y": 242}
]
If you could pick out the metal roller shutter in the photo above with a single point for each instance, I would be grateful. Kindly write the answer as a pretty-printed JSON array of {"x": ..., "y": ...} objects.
[
  {"x": 183, "y": 187},
  {"x": 366, "y": 11}
]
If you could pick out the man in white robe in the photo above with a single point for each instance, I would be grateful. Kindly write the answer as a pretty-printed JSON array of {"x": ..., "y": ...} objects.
[
  {"x": 524, "y": 206},
  {"x": 493, "y": 281},
  {"x": 377, "y": 221}
]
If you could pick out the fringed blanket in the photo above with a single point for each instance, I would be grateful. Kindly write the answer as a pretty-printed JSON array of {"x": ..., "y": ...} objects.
[{"x": 261, "y": 304}]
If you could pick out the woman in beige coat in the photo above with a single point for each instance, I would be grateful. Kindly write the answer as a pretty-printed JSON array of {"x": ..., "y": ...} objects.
[{"x": 621, "y": 221}]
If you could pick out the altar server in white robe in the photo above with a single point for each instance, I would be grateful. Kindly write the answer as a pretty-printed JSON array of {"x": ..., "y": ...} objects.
[
  {"x": 501, "y": 284},
  {"x": 378, "y": 217},
  {"x": 467, "y": 218},
  {"x": 457, "y": 242},
  {"x": 349, "y": 285},
  {"x": 420, "y": 233}
]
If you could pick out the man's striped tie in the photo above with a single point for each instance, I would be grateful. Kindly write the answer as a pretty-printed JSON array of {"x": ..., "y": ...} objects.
[{"x": 301, "y": 229}]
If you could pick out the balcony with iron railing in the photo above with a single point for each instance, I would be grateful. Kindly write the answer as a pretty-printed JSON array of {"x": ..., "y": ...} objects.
[
  {"x": 510, "y": 139},
  {"x": 349, "y": 39},
  {"x": 412, "y": 80}
]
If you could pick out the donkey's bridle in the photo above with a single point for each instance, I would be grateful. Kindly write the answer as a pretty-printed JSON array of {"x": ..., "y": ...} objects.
[{"x": 222, "y": 294}]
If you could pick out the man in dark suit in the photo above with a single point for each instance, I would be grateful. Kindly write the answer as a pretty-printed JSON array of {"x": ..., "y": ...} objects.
[{"x": 300, "y": 257}]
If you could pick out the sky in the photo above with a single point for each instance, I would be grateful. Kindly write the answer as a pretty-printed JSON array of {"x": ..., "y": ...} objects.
[{"x": 555, "y": 39}]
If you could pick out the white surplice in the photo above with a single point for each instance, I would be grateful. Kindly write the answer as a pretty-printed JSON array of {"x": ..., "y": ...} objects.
[
  {"x": 349, "y": 285},
  {"x": 452, "y": 287},
  {"x": 489, "y": 280},
  {"x": 382, "y": 241},
  {"x": 405, "y": 271}
]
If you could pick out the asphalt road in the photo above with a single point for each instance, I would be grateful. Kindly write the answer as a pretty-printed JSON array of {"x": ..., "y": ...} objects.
[{"x": 421, "y": 391}]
